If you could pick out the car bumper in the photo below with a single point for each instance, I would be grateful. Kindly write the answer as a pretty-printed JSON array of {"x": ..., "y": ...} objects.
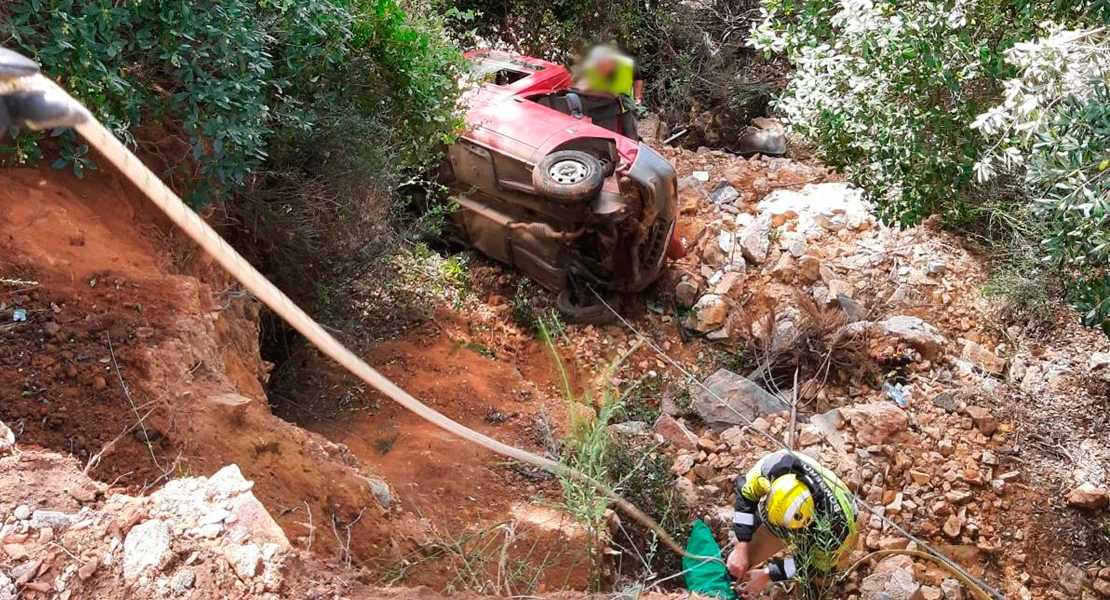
[{"x": 658, "y": 184}]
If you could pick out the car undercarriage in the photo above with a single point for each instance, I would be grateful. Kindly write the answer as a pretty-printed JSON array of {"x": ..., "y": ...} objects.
[{"x": 544, "y": 186}]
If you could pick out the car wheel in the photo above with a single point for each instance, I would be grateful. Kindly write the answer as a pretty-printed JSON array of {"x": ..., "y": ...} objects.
[
  {"x": 584, "y": 308},
  {"x": 568, "y": 175}
]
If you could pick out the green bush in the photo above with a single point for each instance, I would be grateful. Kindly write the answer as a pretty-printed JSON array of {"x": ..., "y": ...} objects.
[
  {"x": 231, "y": 78},
  {"x": 921, "y": 104}
]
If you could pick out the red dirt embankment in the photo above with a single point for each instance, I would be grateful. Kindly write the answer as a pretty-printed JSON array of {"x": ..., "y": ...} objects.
[
  {"x": 141, "y": 359},
  {"x": 96, "y": 278}
]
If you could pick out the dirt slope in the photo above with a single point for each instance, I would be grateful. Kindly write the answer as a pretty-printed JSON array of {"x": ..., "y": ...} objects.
[{"x": 98, "y": 269}]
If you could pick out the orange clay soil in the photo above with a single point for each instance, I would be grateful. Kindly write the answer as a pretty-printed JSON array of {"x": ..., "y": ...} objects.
[
  {"x": 186, "y": 346},
  {"x": 100, "y": 266}
]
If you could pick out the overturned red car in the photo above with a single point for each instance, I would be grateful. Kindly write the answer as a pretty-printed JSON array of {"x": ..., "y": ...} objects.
[{"x": 545, "y": 181}]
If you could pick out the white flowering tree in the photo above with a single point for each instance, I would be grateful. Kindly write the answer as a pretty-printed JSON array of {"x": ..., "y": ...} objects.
[
  {"x": 1053, "y": 125},
  {"x": 942, "y": 106},
  {"x": 886, "y": 90}
]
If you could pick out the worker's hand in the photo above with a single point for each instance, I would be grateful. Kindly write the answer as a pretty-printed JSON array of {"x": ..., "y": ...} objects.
[
  {"x": 36, "y": 109},
  {"x": 757, "y": 580},
  {"x": 737, "y": 562}
]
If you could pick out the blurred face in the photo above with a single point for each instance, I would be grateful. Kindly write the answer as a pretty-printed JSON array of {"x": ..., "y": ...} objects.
[{"x": 605, "y": 67}]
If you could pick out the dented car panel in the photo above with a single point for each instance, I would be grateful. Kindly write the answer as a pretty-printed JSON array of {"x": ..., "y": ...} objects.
[{"x": 616, "y": 237}]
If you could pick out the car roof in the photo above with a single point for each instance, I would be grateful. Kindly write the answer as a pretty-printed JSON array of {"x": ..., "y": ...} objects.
[
  {"x": 503, "y": 116},
  {"x": 540, "y": 75}
]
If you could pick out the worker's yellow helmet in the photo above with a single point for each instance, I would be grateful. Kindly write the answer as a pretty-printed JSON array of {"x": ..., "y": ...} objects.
[{"x": 789, "y": 504}]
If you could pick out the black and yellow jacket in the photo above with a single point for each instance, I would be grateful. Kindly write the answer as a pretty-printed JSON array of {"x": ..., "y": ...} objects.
[{"x": 830, "y": 497}]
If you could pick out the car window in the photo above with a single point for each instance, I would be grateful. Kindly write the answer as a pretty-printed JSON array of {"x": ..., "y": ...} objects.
[{"x": 496, "y": 74}]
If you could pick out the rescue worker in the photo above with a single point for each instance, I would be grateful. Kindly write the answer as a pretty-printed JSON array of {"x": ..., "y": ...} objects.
[
  {"x": 610, "y": 71},
  {"x": 780, "y": 502}
]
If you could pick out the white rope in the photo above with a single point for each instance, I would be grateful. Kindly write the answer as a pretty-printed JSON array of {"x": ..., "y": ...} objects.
[{"x": 266, "y": 292}]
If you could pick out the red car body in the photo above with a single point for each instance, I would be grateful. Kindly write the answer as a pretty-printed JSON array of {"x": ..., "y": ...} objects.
[
  {"x": 526, "y": 112},
  {"x": 503, "y": 117}
]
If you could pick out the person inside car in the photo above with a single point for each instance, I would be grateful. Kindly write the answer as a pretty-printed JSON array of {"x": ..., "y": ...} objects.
[{"x": 610, "y": 71}]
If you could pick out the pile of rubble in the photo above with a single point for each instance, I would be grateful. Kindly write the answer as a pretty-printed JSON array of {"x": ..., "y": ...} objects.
[
  {"x": 64, "y": 536},
  {"x": 928, "y": 441}
]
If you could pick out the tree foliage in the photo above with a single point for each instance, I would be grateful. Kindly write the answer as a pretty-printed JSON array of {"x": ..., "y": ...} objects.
[
  {"x": 963, "y": 108},
  {"x": 1053, "y": 125},
  {"x": 231, "y": 77}
]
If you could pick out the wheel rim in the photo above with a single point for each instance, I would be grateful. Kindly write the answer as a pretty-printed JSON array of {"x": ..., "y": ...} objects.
[{"x": 568, "y": 171}]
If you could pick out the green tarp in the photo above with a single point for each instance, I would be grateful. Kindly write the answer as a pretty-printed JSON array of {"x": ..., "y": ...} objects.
[{"x": 708, "y": 578}]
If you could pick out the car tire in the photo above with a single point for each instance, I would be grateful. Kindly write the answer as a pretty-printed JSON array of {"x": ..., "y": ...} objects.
[
  {"x": 584, "y": 308},
  {"x": 568, "y": 176}
]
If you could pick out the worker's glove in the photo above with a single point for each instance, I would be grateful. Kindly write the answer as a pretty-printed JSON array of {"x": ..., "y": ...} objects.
[
  {"x": 31, "y": 108},
  {"x": 641, "y": 110},
  {"x": 761, "y": 486}
]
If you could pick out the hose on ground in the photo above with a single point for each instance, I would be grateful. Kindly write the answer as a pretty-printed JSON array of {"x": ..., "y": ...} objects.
[{"x": 266, "y": 292}]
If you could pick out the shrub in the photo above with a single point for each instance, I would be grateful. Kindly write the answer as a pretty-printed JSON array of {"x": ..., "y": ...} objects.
[
  {"x": 693, "y": 55},
  {"x": 898, "y": 96},
  {"x": 228, "y": 79},
  {"x": 1053, "y": 125}
]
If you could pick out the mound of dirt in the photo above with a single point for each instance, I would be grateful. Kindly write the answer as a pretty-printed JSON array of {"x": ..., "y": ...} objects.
[{"x": 65, "y": 536}]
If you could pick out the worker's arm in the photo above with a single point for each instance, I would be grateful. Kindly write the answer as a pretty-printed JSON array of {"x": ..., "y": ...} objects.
[
  {"x": 638, "y": 91},
  {"x": 745, "y": 515}
]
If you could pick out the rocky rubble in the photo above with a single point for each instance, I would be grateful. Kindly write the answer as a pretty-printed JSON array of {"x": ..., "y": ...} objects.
[
  {"x": 926, "y": 444},
  {"x": 64, "y": 536},
  {"x": 195, "y": 533}
]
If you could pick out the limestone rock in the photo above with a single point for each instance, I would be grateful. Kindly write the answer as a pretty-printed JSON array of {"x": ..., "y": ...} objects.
[
  {"x": 741, "y": 400},
  {"x": 7, "y": 440},
  {"x": 381, "y": 491},
  {"x": 710, "y": 312},
  {"x": 723, "y": 193},
  {"x": 146, "y": 545},
  {"x": 1099, "y": 365},
  {"x": 675, "y": 433},
  {"x": 683, "y": 463},
  {"x": 809, "y": 269},
  {"x": 246, "y": 559},
  {"x": 227, "y": 482},
  {"x": 7, "y": 588},
  {"x": 755, "y": 242},
  {"x": 983, "y": 419},
  {"x": 914, "y": 332},
  {"x": 1098, "y": 361},
  {"x": 947, "y": 401},
  {"x": 686, "y": 491},
  {"x": 877, "y": 422},
  {"x": 897, "y": 562},
  {"x": 820, "y": 207},
  {"x": 768, "y": 142},
  {"x": 896, "y": 585},
  {"x": 952, "y": 590},
  {"x": 953, "y": 526},
  {"x": 686, "y": 291},
  {"x": 984, "y": 359},
  {"x": 1089, "y": 497}
]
